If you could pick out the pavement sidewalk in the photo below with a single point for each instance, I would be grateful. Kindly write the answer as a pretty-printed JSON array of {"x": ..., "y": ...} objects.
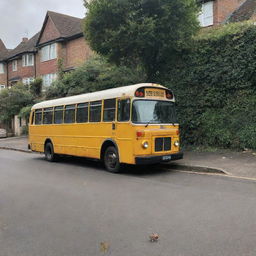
[{"x": 241, "y": 164}]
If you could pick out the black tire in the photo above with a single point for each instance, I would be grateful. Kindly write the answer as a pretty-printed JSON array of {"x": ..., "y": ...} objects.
[
  {"x": 49, "y": 154},
  {"x": 111, "y": 160}
]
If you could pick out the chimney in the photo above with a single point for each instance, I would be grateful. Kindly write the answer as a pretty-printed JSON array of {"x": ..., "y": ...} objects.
[{"x": 24, "y": 39}]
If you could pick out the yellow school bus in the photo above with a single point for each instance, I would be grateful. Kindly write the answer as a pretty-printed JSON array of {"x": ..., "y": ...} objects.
[{"x": 133, "y": 124}]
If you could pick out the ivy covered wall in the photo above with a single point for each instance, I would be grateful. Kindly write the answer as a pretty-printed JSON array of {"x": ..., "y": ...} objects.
[{"x": 215, "y": 87}]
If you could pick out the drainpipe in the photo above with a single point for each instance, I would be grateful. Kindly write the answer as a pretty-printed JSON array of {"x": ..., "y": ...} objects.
[
  {"x": 7, "y": 74},
  {"x": 35, "y": 64}
]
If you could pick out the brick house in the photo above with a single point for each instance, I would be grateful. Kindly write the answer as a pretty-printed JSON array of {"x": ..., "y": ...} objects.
[
  {"x": 215, "y": 12},
  {"x": 246, "y": 11},
  {"x": 3, "y": 67},
  {"x": 60, "y": 41},
  {"x": 20, "y": 63}
]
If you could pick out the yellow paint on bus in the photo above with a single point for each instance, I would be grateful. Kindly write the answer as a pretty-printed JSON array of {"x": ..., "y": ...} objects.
[{"x": 110, "y": 125}]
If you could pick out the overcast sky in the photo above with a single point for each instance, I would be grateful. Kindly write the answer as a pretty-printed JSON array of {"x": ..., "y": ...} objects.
[{"x": 24, "y": 18}]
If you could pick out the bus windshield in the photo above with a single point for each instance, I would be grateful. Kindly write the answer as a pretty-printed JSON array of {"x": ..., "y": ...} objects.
[{"x": 153, "y": 111}]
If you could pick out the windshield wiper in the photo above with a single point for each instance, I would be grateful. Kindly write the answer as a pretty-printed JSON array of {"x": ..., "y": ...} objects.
[{"x": 149, "y": 122}]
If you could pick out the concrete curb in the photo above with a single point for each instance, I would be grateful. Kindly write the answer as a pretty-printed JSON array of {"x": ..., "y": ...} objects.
[
  {"x": 16, "y": 149},
  {"x": 182, "y": 167},
  {"x": 196, "y": 168}
]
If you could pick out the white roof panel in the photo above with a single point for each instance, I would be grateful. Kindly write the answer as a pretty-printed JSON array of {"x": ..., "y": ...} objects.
[{"x": 124, "y": 91}]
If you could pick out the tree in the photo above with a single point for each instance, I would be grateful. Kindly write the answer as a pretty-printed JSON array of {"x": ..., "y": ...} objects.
[
  {"x": 96, "y": 74},
  {"x": 140, "y": 32},
  {"x": 36, "y": 87},
  {"x": 13, "y": 100}
]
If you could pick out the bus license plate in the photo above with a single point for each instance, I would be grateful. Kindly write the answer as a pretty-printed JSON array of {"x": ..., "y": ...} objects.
[{"x": 165, "y": 158}]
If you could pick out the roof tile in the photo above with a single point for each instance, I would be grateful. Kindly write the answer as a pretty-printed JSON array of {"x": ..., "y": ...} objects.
[{"x": 244, "y": 12}]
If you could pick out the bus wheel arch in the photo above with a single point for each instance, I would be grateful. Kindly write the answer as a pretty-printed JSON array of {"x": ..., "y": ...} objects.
[
  {"x": 49, "y": 151},
  {"x": 110, "y": 156}
]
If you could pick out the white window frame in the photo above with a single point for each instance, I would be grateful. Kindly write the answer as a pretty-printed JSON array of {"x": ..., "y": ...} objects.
[
  {"x": 28, "y": 60},
  {"x": 14, "y": 65},
  {"x": 28, "y": 80},
  {"x": 49, "y": 52},
  {"x": 48, "y": 79},
  {"x": 205, "y": 17},
  {"x": 1, "y": 68},
  {"x": 2, "y": 86}
]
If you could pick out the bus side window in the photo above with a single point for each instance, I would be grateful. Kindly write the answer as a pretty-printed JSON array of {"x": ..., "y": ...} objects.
[
  {"x": 48, "y": 115},
  {"x": 123, "y": 110},
  {"x": 58, "y": 115},
  {"x": 38, "y": 116},
  {"x": 70, "y": 114},
  {"x": 95, "y": 111},
  {"x": 109, "y": 110},
  {"x": 82, "y": 113},
  {"x": 32, "y": 118}
]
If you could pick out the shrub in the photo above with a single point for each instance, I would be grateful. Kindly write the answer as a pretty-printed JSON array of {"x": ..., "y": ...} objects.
[
  {"x": 96, "y": 74},
  {"x": 215, "y": 87}
]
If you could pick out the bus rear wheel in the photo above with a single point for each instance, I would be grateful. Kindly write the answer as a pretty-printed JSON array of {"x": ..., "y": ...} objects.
[
  {"x": 111, "y": 160},
  {"x": 49, "y": 152}
]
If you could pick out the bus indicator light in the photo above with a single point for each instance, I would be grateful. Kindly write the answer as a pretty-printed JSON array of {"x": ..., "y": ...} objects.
[
  {"x": 169, "y": 95},
  {"x": 140, "y": 93},
  {"x": 140, "y": 134}
]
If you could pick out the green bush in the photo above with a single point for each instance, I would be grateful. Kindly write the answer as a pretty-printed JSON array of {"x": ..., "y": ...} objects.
[
  {"x": 215, "y": 87},
  {"x": 96, "y": 74},
  {"x": 13, "y": 99}
]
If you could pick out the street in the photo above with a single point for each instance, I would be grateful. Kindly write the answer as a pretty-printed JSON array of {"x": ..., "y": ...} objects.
[{"x": 75, "y": 208}]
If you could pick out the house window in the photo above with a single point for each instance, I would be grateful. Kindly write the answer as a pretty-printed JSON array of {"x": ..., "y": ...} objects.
[
  {"x": 1, "y": 68},
  {"x": 48, "y": 52},
  {"x": 48, "y": 79},
  {"x": 2, "y": 86},
  {"x": 206, "y": 15},
  {"x": 28, "y": 80},
  {"x": 14, "y": 65},
  {"x": 28, "y": 60}
]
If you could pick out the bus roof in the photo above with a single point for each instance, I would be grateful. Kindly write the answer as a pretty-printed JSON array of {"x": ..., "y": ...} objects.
[{"x": 124, "y": 91}]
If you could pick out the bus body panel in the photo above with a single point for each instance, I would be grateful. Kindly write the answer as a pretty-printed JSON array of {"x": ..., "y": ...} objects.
[{"x": 86, "y": 139}]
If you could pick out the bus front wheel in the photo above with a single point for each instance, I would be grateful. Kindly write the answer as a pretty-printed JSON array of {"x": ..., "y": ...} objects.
[
  {"x": 49, "y": 152},
  {"x": 111, "y": 160}
]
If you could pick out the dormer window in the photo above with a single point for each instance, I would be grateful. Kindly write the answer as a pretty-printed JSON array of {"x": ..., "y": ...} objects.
[
  {"x": 49, "y": 52},
  {"x": 14, "y": 65},
  {"x": 206, "y": 15},
  {"x": 1, "y": 68},
  {"x": 28, "y": 60}
]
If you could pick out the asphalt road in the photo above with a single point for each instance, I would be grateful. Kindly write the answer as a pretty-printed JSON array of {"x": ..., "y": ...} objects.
[{"x": 75, "y": 208}]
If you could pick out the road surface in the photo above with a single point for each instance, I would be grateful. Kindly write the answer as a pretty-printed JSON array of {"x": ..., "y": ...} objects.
[{"x": 75, "y": 208}]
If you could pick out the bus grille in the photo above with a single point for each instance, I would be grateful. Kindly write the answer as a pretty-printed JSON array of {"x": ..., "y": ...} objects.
[{"x": 162, "y": 144}]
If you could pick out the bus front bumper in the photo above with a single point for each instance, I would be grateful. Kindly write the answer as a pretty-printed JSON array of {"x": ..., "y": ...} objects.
[{"x": 158, "y": 159}]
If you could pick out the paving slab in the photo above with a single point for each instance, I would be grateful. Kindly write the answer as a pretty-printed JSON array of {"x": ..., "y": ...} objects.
[
  {"x": 15, "y": 143},
  {"x": 241, "y": 164}
]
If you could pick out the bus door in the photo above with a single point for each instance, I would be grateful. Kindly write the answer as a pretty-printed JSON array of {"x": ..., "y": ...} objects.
[{"x": 123, "y": 129}]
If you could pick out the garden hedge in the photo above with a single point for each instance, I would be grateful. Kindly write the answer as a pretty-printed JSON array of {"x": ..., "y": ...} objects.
[{"x": 215, "y": 87}]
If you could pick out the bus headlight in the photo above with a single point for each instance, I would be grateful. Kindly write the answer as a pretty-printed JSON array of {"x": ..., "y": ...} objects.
[
  {"x": 145, "y": 144},
  {"x": 176, "y": 143}
]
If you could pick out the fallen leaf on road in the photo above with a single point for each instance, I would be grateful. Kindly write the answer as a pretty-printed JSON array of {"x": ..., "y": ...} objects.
[
  {"x": 104, "y": 247},
  {"x": 154, "y": 237}
]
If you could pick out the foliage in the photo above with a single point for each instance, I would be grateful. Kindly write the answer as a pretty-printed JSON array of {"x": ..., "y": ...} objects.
[
  {"x": 215, "y": 86},
  {"x": 13, "y": 99},
  {"x": 36, "y": 87},
  {"x": 96, "y": 74},
  {"x": 140, "y": 32},
  {"x": 25, "y": 112}
]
